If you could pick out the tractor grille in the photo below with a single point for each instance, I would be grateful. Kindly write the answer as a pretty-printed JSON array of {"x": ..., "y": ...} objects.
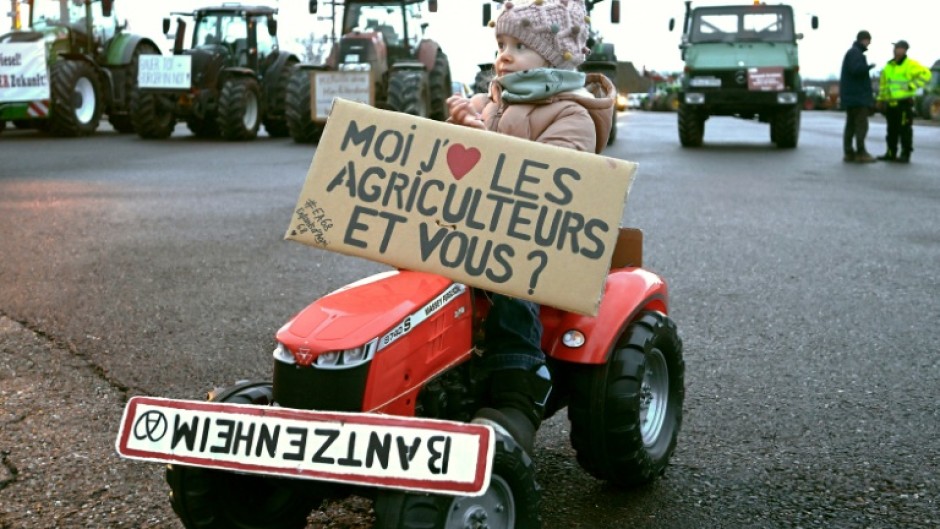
[{"x": 309, "y": 388}]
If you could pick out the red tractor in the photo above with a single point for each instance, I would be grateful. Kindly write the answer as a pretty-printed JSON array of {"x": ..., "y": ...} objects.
[
  {"x": 383, "y": 56},
  {"x": 404, "y": 345}
]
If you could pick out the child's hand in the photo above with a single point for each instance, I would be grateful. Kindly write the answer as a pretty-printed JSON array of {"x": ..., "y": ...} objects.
[{"x": 462, "y": 112}]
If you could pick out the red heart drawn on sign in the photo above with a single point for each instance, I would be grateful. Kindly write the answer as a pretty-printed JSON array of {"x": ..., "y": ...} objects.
[{"x": 461, "y": 159}]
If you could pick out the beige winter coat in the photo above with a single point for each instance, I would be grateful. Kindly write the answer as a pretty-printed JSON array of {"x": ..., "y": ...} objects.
[{"x": 576, "y": 120}]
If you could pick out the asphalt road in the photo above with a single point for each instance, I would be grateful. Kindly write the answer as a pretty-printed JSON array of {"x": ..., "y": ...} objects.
[{"x": 806, "y": 290}]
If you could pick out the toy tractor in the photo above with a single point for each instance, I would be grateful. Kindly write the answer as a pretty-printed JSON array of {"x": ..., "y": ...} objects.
[
  {"x": 232, "y": 79},
  {"x": 74, "y": 62},
  {"x": 382, "y": 59},
  {"x": 602, "y": 58}
]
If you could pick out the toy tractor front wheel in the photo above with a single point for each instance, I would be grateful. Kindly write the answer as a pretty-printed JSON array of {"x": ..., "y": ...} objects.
[
  {"x": 510, "y": 502},
  {"x": 76, "y": 98},
  {"x": 625, "y": 414},
  {"x": 240, "y": 109},
  {"x": 215, "y": 499}
]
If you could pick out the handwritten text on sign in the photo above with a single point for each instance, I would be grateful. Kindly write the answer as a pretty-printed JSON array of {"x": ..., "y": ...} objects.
[
  {"x": 158, "y": 71},
  {"x": 357, "y": 448},
  {"x": 327, "y": 86},
  {"x": 488, "y": 210}
]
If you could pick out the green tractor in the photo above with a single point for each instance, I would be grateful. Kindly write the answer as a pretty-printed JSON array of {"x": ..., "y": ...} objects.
[
  {"x": 232, "y": 79},
  {"x": 382, "y": 59},
  {"x": 742, "y": 61},
  {"x": 74, "y": 62}
]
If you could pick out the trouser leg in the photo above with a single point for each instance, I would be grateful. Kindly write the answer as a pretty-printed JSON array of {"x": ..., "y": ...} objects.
[
  {"x": 906, "y": 126},
  {"x": 849, "y": 133},
  {"x": 893, "y": 118},
  {"x": 861, "y": 130}
]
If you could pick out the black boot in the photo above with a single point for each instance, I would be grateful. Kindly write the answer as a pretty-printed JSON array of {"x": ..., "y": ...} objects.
[
  {"x": 517, "y": 403},
  {"x": 905, "y": 157}
]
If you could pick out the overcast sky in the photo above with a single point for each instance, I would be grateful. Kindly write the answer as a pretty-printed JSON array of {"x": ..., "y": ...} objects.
[{"x": 642, "y": 36}]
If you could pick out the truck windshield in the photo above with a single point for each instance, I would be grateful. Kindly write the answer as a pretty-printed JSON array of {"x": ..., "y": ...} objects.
[
  {"x": 389, "y": 20},
  {"x": 742, "y": 24},
  {"x": 221, "y": 28}
]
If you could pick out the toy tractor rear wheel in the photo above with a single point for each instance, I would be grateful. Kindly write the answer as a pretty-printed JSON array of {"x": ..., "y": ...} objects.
[
  {"x": 626, "y": 414},
  {"x": 215, "y": 499},
  {"x": 123, "y": 121},
  {"x": 408, "y": 92},
  {"x": 76, "y": 98},
  {"x": 440, "y": 87},
  {"x": 240, "y": 109},
  {"x": 275, "y": 118},
  {"x": 299, "y": 117},
  {"x": 510, "y": 502}
]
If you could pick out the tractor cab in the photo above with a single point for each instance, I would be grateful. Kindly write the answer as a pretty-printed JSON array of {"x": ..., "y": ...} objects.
[{"x": 230, "y": 34}]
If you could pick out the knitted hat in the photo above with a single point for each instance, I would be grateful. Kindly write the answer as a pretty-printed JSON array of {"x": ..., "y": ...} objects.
[{"x": 556, "y": 29}]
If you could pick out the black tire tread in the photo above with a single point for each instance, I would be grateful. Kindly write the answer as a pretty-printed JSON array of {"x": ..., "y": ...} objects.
[
  {"x": 62, "y": 121},
  {"x": 787, "y": 122},
  {"x": 407, "y": 93},
  {"x": 440, "y": 87},
  {"x": 275, "y": 118},
  {"x": 691, "y": 126},
  {"x": 300, "y": 122},
  {"x": 232, "y": 108},
  {"x": 604, "y": 406}
]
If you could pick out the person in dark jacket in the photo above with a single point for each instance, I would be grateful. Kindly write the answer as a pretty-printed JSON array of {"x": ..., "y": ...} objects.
[{"x": 857, "y": 99}]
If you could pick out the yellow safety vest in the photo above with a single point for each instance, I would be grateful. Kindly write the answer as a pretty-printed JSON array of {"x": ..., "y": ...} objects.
[{"x": 901, "y": 81}]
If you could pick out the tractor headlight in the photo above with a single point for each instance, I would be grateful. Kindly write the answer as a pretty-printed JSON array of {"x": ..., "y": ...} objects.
[
  {"x": 694, "y": 98},
  {"x": 573, "y": 338},
  {"x": 347, "y": 358},
  {"x": 787, "y": 98}
]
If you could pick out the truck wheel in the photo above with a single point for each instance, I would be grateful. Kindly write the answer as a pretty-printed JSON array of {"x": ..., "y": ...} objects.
[
  {"x": 511, "y": 501},
  {"x": 152, "y": 115},
  {"x": 121, "y": 119},
  {"x": 275, "y": 118},
  {"x": 215, "y": 499},
  {"x": 787, "y": 133},
  {"x": 691, "y": 126},
  {"x": 76, "y": 99},
  {"x": 300, "y": 122},
  {"x": 625, "y": 415},
  {"x": 440, "y": 87},
  {"x": 239, "y": 109},
  {"x": 408, "y": 92}
]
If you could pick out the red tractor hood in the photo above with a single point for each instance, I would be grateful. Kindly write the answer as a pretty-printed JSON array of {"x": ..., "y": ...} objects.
[{"x": 361, "y": 311}]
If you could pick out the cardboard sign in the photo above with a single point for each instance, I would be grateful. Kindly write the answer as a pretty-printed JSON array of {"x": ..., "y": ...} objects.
[
  {"x": 352, "y": 85},
  {"x": 769, "y": 79},
  {"x": 488, "y": 210},
  {"x": 165, "y": 72},
  {"x": 427, "y": 455},
  {"x": 23, "y": 72}
]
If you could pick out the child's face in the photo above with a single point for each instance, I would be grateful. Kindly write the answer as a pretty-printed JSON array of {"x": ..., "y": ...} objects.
[{"x": 514, "y": 56}]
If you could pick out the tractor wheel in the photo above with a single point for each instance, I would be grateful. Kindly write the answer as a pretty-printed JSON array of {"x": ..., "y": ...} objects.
[
  {"x": 932, "y": 108},
  {"x": 691, "y": 126},
  {"x": 217, "y": 499},
  {"x": 152, "y": 115},
  {"x": 122, "y": 121},
  {"x": 408, "y": 92},
  {"x": 440, "y": 87},
  {"x": 625, "y": 415},
  {"x": 76, "y": 99},
  {"x": 481, "y": 83},
  {"x": 787, "y": 123},
  {"x": 300, "y": 122},
  {"x": 275, "y": 119},
  {"x": 239, "y": 109},
  {"x": 511, "y": 501}
]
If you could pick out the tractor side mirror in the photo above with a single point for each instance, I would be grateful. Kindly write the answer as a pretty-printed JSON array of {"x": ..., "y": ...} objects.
[
  {"x": 166, "y": 25},
  {"x": 672, "y": 24},
  {"x": 313, "y": 7},
  {"x": 487, "y": 14},
  {"x": 432, "y": 6},
  {"x": 815, "y": 22},
  {"x": 106, "y": 7},
  {"x": 615, "y": 11},
  {"x": 272, "y": 26}
]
